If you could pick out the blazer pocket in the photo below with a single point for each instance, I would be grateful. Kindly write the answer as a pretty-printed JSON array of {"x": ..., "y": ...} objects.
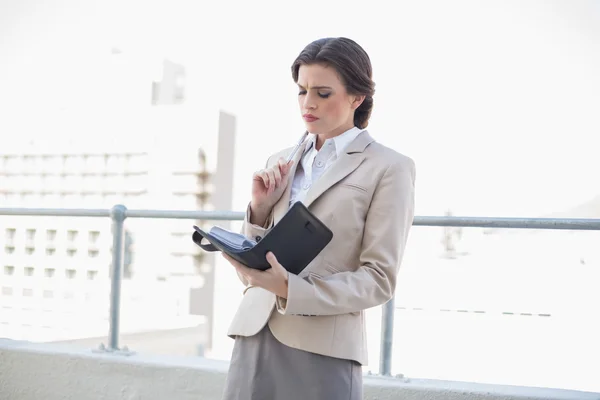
[
  {"x": 324, "y": 271},
  {"x": 312, "y": 274},
  {"x": 331, "y": 269},
  {"x": 354, "y": 186}
]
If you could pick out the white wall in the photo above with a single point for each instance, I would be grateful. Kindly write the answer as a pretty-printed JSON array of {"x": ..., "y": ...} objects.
[{"x": 62, "y": 373}]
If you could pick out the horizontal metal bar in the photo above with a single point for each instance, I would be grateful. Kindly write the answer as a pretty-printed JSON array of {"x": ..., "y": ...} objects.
[
  {"x": 472, "y": 222},
  {"x": 56, "y": 212},
  {"x": 512, "y": 223},
  {"x": 179, "y": 214}
]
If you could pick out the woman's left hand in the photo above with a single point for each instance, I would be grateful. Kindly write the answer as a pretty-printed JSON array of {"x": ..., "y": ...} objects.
[{"x": 274, "y": 279}]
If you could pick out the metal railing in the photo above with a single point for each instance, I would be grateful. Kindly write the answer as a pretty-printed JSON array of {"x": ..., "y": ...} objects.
[{"x": 119, "y": 213}]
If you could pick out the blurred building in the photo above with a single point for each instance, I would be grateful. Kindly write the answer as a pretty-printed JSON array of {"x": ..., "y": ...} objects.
[{"x": 55, "y": 271}]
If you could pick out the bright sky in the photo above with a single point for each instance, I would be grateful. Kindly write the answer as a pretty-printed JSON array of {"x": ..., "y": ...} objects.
[{"x": 496, "y": 101}]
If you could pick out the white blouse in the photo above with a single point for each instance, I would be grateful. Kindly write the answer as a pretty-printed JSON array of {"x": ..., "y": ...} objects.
[{"x": 314, "y": 162}]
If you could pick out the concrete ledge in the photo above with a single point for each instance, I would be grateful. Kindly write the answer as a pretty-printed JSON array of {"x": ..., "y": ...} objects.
[{"x": 31, "y": 371}]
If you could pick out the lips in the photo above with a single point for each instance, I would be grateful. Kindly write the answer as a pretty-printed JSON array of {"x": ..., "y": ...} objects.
[{"x": 309, "y": 118}]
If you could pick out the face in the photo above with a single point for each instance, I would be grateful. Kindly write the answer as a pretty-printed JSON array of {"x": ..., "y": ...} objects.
[{"x": 325, "y": 105}]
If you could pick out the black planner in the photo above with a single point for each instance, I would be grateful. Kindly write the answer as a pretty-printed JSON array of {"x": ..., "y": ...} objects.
[{"x": 295, "y": 240}]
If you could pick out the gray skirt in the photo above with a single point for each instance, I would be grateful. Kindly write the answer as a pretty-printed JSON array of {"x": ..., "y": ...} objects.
[{"x": 262, "y": 368}]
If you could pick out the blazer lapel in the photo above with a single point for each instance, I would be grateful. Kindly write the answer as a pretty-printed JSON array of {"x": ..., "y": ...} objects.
[
  {"x": 282, "y": 205},
  {"x": 352, "y": 157}
]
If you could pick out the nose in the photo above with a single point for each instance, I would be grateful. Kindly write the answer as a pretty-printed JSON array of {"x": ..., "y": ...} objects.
[{"x": 309, "y": 102}]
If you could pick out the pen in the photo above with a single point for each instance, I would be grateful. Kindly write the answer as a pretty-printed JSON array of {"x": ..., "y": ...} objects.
[{"x": 295, "y": 149}]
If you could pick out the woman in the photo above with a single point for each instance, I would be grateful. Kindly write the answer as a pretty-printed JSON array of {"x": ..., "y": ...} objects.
[{"x": 303, "y": 336}]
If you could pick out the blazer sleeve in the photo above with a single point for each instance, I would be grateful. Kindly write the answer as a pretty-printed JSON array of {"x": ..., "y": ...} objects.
[{"x": 388, "y": 221}]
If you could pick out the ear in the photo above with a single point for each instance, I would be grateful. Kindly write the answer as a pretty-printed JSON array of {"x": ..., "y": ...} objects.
[{"x": 357, "y": 101}]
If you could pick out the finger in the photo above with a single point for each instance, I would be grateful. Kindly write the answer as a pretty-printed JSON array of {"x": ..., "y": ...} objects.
[
  {"x": 287, "y": 167},
  {"x": 282, "y": 164},
  {"x": 272, "y": 260},
  {"x": 277, "y": 175},
  {"x": 246, "y": 272},
  {"x": 283, "y": 168},
  {"x": 265, "y": 178},
  {"x": 271, "y": 175}
]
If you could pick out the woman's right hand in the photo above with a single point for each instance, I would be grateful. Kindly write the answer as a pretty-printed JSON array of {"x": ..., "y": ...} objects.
[{"x": 268, "y": 186}]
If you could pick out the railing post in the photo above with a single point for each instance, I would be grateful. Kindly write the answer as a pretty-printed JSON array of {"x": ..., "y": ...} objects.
[
  {"x": 117, "y": 216},
  {"x": 387, "y": 337}
]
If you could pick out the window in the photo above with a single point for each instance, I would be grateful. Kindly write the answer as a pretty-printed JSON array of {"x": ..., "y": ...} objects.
[
  {"x": 9, "y": 270},
  {"x": 30, "y": 241},
  {"x": 10, "y": 234},
  {"x": 92, "y": 253},
  {"x": 51, "y": 235},
  {"x": 11, "y": 199},
  {"x": 73, "y": 164},
  {"x": 50, "y": 252},
  {"x": 94, "y": 163},
  {"x": 70, "y": 273},
  {"x": 71, "y": 252},
  {"x": 70, "y": 200},
  {"x": 93, "y": 200},
  {"x": 48, "y": 294},
  {"x": 9, "y": 249},
  {"x": 136, "y": 183},
  {"x": 7, "y": 291},
  {"x": 27, "y": 292},
  {"x": 72, "y": 235},
  {"x": 29, "y": 182},
  {"x": 29, "y": 271},
  {"x": 49, "y": 272},
  {"x": 115, "y": 163},
  {"x": 28, "y": 163},
  {"x": 52, "y": 164},
  {"x": 50, "y": 200},
  {"x": 30, "y": 234},
  {"x": 91, "y": 275},
  {"x": 137, "y": 162},
  {"x": 13, "y": 164},
  {"x": 93, "y": 184},
  {"x": 52, "y": 183},
  {"x": 72, "y": 183},
  {"x": 39, "y": 164},
  {"x": 115, "y": 184},
  {"x": 93, "y": 237},
  {"x": 35, "y": 183},
  {"x": 109, "y": 199}
]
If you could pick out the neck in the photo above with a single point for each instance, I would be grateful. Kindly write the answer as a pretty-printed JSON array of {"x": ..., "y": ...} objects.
[{"x": 322, "y": 137}]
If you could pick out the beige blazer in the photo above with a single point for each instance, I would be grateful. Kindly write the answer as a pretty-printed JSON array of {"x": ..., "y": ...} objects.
[{"x": 366, "y": 198}]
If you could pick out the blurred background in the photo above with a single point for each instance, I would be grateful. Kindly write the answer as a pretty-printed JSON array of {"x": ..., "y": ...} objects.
[{"x": 173, "y": 105}]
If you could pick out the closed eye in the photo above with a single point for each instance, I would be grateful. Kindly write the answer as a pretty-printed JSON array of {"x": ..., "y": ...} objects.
[{"x": 321, "y": 95}]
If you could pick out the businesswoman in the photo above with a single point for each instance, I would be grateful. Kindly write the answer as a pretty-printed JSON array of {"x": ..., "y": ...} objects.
[{"x": 303, "y": 336}]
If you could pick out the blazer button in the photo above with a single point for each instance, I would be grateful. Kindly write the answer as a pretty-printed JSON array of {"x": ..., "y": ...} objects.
[{"x": 258, "y": 238}]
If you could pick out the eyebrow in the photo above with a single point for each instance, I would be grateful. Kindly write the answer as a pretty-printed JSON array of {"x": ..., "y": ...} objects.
[{"x": 316, "y": 87}]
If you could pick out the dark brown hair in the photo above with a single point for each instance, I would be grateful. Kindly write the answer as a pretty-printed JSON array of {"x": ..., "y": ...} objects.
[{"x": 352, "y": 64}]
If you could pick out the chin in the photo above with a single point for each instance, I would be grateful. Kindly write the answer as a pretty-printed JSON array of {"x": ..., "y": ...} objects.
[{"x": 312, "y": 126}]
